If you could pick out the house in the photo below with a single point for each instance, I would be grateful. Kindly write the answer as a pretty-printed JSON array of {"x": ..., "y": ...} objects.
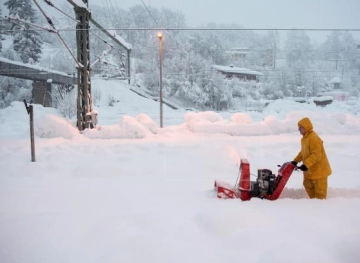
[
  {"x": 336, "y": 90},
  {"x": 338, "y": 95},
  {"x": 335, "y": 82},
  {"x": 238, "y": 53},
  {"x": 241, "y": 73}
]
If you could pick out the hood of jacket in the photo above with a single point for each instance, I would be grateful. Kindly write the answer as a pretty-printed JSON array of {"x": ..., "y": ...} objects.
[{"x": 306, "y": 124}]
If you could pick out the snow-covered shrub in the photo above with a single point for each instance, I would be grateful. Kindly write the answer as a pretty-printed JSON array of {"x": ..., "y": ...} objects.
[
  {"x": 110, "y": 100},
  {"x": 12, "y": 89},
  {"x": 65, "y": 102},
  {"x": 96, "y": 95}
]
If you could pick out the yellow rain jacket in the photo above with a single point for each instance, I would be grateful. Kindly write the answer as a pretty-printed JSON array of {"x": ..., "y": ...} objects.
[{"x": 312, "y": 153}]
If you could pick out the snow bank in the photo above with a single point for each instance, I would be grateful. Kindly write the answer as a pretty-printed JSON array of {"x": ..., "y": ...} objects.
[
  {"x": 52, "y": 126},
  {"x": 242, "y": 125},
  {"x": 129, "y": 127},
  {"x": 49, "y": 124}
]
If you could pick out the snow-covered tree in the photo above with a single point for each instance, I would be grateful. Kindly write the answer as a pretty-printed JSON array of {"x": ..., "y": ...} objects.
[
  {"x": 12, "y": 89},
  {"x": 299, "y": 55},
  {"x": 27, "y": 42},
  {"x": 341, "y": 48},
  {"x": 64, "y": 100},
  {"x": 299, "y": 50},
  {"x": 1, "y": 26},
  {"x": 208, "y": 45},
  {"x": 273, "y": 41}
]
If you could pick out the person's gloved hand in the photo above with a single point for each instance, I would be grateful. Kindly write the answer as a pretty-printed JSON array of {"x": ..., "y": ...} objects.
[
  {"x": 303, "y": 168},
  {"x": 294, "y": 163}
]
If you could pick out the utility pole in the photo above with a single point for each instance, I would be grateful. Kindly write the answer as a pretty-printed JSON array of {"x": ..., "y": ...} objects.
[
  {"x": 84, "y": 102},
  {"x": 274, "y": 54},
  {"x": 86, "y": 118},
  {"x": 160, "y": 36},
  {"x": 30, "y": 110}
]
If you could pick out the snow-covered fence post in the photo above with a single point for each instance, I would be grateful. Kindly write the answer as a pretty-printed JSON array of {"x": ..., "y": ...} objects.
[{"x": 30, "y": 111}]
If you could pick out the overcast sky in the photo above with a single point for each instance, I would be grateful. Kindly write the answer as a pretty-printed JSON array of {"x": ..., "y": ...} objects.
[
  {"x": 255, "y": 13},
  {"x": 272, "y": 14},
  {"x": 261, "y": 13}
]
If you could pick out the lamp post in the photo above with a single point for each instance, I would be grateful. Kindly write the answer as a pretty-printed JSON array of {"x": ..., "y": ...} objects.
[{"x": 160, "y": 36}]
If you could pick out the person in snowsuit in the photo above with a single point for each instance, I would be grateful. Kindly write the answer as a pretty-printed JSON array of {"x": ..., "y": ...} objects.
[{"x": 315, "y": 164}]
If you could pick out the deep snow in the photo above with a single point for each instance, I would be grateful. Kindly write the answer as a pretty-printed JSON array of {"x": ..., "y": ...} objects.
[{"x": 132, "y": 192}]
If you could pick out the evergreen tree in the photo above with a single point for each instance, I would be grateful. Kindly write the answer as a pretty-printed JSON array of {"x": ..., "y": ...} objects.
[{"x": 26, "y": 41}]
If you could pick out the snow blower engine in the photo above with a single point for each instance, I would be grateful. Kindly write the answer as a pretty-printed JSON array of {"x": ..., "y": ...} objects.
[{"x": 267, "y": 185}]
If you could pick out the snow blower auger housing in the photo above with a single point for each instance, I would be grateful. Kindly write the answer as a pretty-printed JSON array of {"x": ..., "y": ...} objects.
[{"x": 267, "y": 185}]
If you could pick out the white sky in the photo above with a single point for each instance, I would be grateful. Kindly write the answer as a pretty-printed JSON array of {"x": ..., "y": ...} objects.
[
  {"x": 274, "y": 14},
  {"x": 130, "y": 192},
  {"x": 254, "y": 13},
  {"x": 263, "y": 13}
]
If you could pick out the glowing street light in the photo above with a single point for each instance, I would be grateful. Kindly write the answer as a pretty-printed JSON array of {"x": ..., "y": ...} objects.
[{"x": 160, "y": 36}]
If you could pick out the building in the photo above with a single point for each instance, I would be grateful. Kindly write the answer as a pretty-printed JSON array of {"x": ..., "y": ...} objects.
[
  {"x": 238, "y": 53},
  {"x": 241, "y": 73},
  {"x": 335, "y": 83},
  {"x": 337, "y": 92}
]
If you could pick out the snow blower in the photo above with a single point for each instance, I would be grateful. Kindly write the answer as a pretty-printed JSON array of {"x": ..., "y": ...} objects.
[{"x": 267, "y": 185}]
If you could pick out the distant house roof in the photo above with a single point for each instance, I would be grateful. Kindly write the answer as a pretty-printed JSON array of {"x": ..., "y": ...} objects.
[
  {"x": 239, "y": 50},
  {"x": 236, "y": 70},
  {"x": 335, "y": 80}
]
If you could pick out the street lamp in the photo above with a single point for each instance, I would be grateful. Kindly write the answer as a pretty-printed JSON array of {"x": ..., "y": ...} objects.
[{"x": 160, "y": 36}]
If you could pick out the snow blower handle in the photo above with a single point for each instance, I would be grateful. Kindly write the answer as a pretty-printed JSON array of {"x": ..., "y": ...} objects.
[{"x": 297, "y": 168}]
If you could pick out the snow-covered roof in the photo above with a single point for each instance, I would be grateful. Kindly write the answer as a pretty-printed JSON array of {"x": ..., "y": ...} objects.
[
  {"x": 334, "y": 93},
  {"x": 335, "y": 80},
  {"x": 324, "y": 98},
  {"x": 236, "y": 70},
  {"x": 238, "y": 50}
]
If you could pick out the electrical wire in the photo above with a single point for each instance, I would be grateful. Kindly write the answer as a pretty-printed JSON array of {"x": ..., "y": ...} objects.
[
  {"x": 58, "y": 9},
  {"x": 181, "y": 29},
  {"x": 50, "y": 22},
  {"x": 57, "y": 33},
  {"x": 164, "y": 30},
  {"x": 211, "y": 29}
]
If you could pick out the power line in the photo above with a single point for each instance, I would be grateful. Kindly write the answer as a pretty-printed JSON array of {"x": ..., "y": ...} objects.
[
  {"x": 164, "y": 30},
  {"x": 153, "y": 18},
  {"x": 203, "y": 29},
  {"x": 240, "y": 29},
  {"x": 58, "y": 9}
]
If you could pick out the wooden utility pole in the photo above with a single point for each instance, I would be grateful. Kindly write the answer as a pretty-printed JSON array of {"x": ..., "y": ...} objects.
[{"x": 30, "y": 111}]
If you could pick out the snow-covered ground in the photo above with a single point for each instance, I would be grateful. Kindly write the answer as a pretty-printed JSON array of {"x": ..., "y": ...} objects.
[{"x": 132, "y": 192}]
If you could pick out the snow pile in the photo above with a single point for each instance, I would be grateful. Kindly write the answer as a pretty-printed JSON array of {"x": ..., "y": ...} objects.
[
  {"x": 129, "y": 127},
  {"x": 242, "y": 125},
  {"x": 48, "y": 124},
  {"x": 52, "y": 126},
  {"x": 241, "y": 118}
]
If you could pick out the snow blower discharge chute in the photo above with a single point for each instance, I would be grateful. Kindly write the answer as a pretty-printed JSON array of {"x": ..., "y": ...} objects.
[{"x": 267, "y": 185}]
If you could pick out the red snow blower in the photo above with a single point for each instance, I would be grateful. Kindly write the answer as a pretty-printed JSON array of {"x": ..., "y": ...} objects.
[{"x": 267, "y": 185}]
